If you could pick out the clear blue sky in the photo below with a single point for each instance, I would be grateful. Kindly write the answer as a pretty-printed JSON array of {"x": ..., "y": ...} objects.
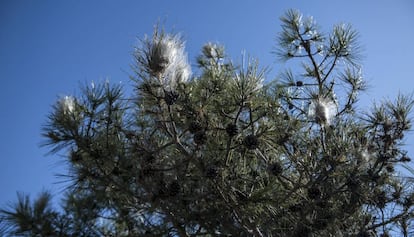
[{"x": 47, "y": 48}]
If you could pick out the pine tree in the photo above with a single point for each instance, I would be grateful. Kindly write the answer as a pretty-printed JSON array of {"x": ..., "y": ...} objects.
[{"x": 226, "y": 152}]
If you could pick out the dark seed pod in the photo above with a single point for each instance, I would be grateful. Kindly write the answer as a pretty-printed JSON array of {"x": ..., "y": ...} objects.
[
  {"x": 275, "y": 168},
  {"x": 314, "y": 192},
  {"x": 408, "y": 201},
  {"x": 149, "y": 159},
  {"x": 296, "y": 207},
  {"x": 299, "y": 83},
  {"x": 195, "y": 126},
  {"x": 211, "y": 172},
  {"x": 390, "y": 168},
  {"x": 381, "y": 199},
  {"x": 174, "y": 188},
  {"x": 396, "y": 195},
  {"x": 251, "y": 142},
  {"x": 200, "y": 137},
  {"x": 170, "y": 97},
  {"x": 116, "y": 171},
  {"x": 353, "y": 183},
  {"x": 232, "y": 129}
]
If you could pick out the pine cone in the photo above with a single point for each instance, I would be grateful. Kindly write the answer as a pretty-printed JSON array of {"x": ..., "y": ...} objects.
[
  {"x": 296, "y": 207},
  {"x": 149, "y": 159},
  {"x": 408, "y": 201},
  {"x": 200, "y": 137},
  {"x": 174, "y": 188},
  {"x": 194, "y": 127},
  {"x": 211, "y": 172},
  {"x": 314, "y": 192},
  {"x": 170, "y": 97},
  {"x": 251, "y": 142},
  {"x": 116, "y": 171},
  {"x": 390, "y": 168},
  {"x": 353, "y": 183},
  {"x": 232, "y": 129},
  {"x": 275, "y": 168},
  {"x": 380, "y": 199}
]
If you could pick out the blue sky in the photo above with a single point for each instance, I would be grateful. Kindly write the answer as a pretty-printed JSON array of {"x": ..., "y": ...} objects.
[{"x": 49, "y": 48}]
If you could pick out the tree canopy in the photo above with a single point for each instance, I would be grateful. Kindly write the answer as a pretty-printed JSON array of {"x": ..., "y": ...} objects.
[{"x": 226, "y": 151}]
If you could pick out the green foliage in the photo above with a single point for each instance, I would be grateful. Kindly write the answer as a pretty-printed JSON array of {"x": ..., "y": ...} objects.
[
  {"x": 24, "y": 218},
  {"x": 224, "y": 154}
]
